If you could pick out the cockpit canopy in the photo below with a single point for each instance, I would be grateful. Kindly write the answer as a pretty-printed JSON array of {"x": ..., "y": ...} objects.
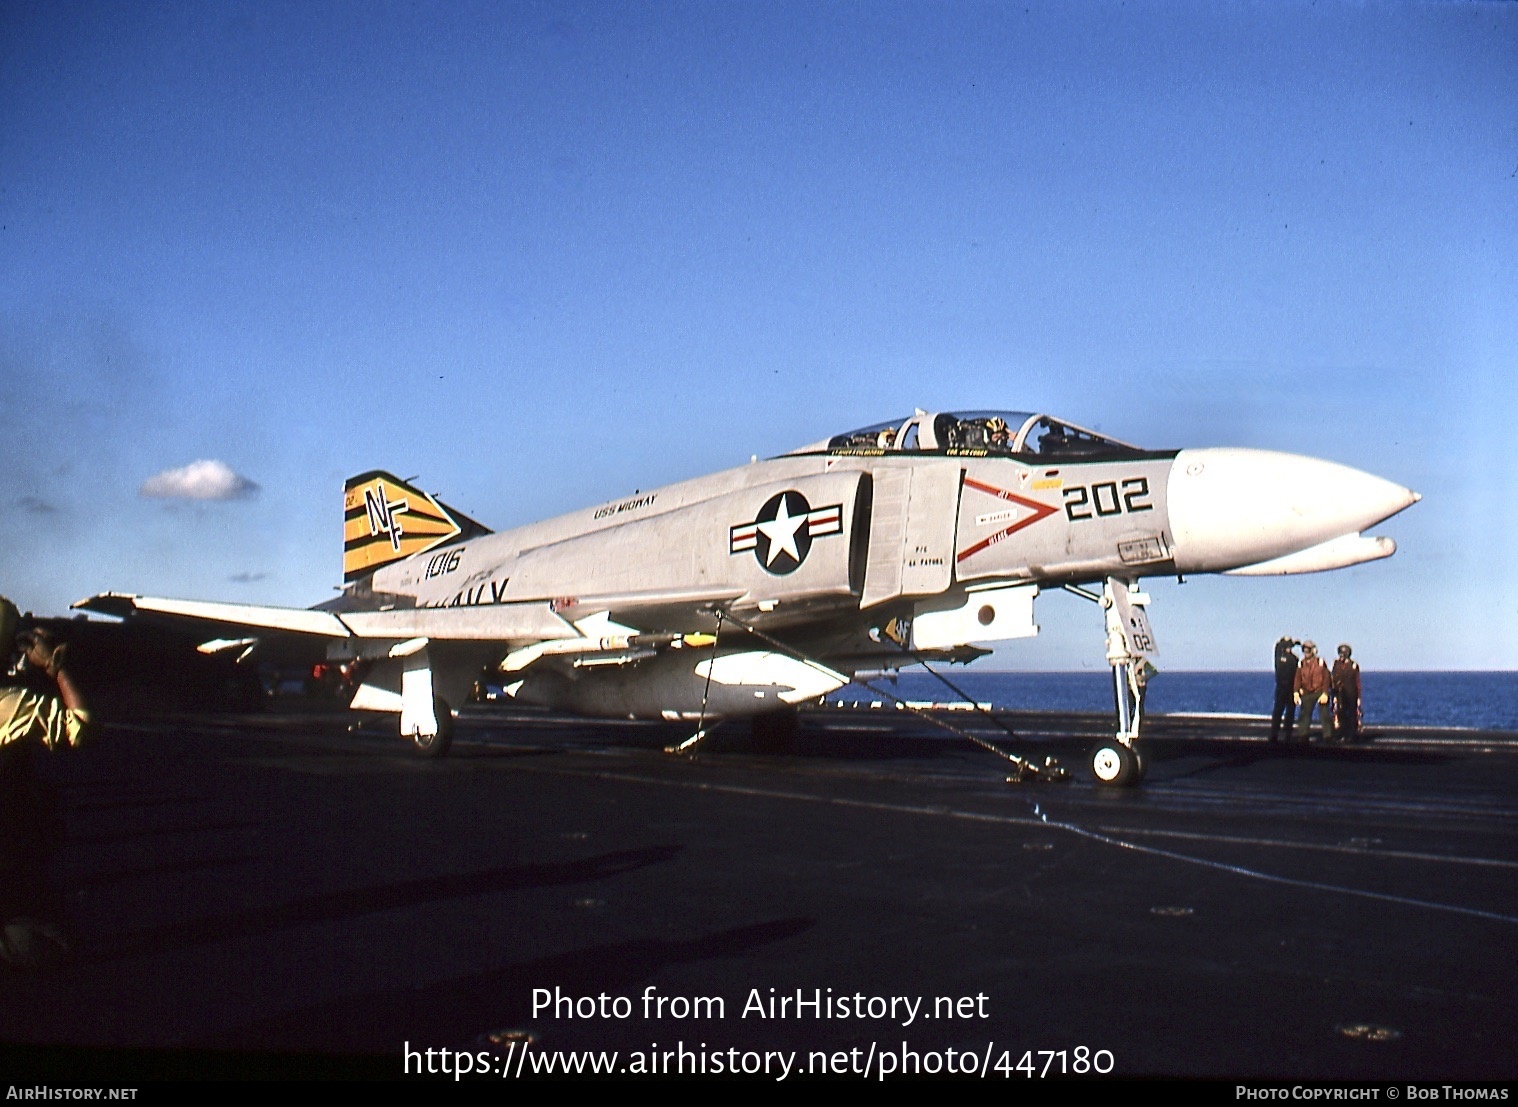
[{"x": 980, "y": 433}]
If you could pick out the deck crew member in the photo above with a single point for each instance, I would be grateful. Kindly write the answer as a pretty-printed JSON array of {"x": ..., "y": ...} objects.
[
  {"x": 1345, "y": 680},
  {"x": 39, "y": 706},
  {"x": 1286, "y": 677},
  {"x": 1311, "y": 692}
]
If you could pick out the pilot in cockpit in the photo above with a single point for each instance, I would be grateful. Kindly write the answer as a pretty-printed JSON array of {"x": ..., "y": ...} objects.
[
  {"x": 997, "y": 436},
  {"x": 981, "y": 434}
]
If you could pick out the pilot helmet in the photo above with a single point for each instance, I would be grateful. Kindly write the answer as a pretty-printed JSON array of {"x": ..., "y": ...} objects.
[
  {"x": 996, "y": 425},
  {"x": 1309, "y": 647},
  {"x": 1344, "y": 650}
]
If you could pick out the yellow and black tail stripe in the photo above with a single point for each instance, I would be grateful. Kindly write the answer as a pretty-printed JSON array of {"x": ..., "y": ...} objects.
[{"x": 385, "y": 520}]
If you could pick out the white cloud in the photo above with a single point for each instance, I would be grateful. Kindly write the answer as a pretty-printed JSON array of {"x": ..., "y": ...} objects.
[{"x": 199, "y": 480}]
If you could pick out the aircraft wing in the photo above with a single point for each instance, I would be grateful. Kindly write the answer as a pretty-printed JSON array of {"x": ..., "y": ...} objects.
[
  {"x": 513, "y": 622},
  {"x": 215, "y": 616},
  {"x": 450, "y": 643},
  {"x": 507, "y": 622}
]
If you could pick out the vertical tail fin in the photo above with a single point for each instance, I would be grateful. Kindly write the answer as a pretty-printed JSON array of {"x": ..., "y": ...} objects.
[{"x": 386, "y": 520}]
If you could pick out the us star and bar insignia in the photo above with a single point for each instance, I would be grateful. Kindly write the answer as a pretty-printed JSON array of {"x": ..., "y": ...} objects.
[{"x": 781, "y": 533}]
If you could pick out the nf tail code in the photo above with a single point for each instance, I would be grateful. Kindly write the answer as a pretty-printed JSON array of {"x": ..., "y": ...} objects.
[{"x": 385, "y": 519}]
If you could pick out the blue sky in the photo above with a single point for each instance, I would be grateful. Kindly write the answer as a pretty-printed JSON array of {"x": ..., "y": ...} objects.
[{"x": 545, "y": 254}]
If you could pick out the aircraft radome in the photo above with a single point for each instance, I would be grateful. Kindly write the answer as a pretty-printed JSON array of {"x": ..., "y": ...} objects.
[{"x": 755, "y": 589}]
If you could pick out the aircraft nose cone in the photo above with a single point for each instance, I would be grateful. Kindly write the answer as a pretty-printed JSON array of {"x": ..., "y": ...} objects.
[{"x": 1231, "y": 507}]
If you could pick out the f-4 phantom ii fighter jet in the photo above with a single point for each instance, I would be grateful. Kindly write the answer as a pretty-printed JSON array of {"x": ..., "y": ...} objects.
[{"x": 756, "y": 589}]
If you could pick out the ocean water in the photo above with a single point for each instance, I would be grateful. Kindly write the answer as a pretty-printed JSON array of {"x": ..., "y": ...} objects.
[{"x": 1481, "y": 701}]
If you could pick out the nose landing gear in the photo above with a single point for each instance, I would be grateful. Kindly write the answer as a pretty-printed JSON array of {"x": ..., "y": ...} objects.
[{"x": 1116, "y": 762}]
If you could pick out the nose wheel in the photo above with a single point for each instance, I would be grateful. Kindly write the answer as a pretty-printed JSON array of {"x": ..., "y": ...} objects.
[{"x": 1116, "y": 765}]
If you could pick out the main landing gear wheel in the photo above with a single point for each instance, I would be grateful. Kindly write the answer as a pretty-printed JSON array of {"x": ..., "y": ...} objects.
[
  {"x": 433, "y": 746},
  {"x": 1116, "y": 765}
]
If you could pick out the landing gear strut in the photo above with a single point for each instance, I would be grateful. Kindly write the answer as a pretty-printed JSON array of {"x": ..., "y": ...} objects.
[
  {"x": 1129, "y": 642},
  {"x": 1116, "y": 761},
  {"x": 431, "y": 733}
]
